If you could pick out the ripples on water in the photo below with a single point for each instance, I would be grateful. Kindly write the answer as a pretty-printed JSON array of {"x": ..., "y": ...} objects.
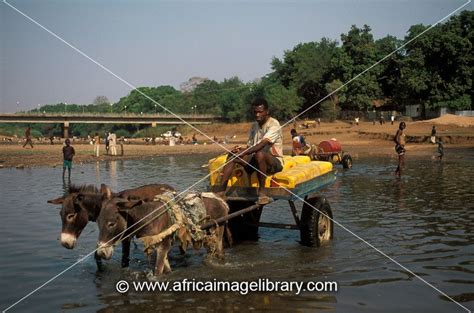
[{"x": 423, "y": 220}]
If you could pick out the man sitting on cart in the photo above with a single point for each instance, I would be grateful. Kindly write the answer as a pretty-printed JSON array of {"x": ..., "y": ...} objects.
[{"x": 264, "y": 150}]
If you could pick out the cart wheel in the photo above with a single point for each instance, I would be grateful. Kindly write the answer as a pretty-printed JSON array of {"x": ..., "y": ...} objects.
[
  {"x": 316, "y": 228},
  {"x": 347, "y": 161},
  {"x": 335, "y": 158}
]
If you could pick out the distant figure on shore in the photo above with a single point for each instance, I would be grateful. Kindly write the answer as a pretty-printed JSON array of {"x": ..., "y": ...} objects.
[
  {"x": 28, "y": 137},
  {"x": 382, "y": 119},
  {"x": 68, "y": 153},
  {"x": 96, "y": 144},
  {"x": 400, "y": 140},
  {"x": 121, "y": 141},
  {"x": 440, "y": 149},
  {"x": 357, "y": 121},
  {"x": 319, "y": 121},
  {"x": 433, "y": 135},
  {"x": 392, "y": 119},
  {"x": 107, "y": 144},
  {"x": 112, "y": 138},
  {"x": 194, "y": 140}
]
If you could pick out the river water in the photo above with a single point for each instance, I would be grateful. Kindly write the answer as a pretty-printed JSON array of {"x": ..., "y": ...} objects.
[{"x": 424, "y": 221}]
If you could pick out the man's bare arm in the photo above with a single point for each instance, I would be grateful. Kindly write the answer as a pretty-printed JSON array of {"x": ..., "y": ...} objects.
[{"x": 259, "y": 146}]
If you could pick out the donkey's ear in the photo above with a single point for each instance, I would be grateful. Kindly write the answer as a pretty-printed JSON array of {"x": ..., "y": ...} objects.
[
  {"x": 56, "y": 201},
  {"x": 124, "y": 206},
  {"x": 106, "y": 192}
]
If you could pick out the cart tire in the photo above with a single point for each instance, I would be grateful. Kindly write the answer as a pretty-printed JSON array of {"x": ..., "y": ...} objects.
[
  {"x": 347, "y": 161},
  {"x": 245, "y": 226},
  {"x": 316, "y": 228},
  {"x": 335, "y": 158}
]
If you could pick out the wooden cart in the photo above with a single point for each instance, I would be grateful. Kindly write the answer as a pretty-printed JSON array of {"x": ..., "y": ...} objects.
[{"x": 315, "y": 224}]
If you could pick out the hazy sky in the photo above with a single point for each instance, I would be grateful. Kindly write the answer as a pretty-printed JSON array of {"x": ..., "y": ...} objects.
[{"x": 153, "y": 43}]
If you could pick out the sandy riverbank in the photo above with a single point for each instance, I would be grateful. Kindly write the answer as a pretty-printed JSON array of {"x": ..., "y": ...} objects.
[{"x": 358, "y": 140}]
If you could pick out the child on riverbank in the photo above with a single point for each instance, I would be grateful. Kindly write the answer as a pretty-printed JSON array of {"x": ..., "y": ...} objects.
[{"x": 440, "y": 149}]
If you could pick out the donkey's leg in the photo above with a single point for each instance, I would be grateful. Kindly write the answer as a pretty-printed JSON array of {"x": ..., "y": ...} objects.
[
  {"x": 126, "y": 252},
  {"x": 220, "y": 242},
  {"x": 228, "y": 235},
  {"x": 98, "y": 262},
  {"x": 167, "y": 268},
  {"x": 161, "y": 255}
]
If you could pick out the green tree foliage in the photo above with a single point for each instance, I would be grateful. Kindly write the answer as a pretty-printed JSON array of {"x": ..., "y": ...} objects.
[
  {"x": 330, "y": 107},
  {"x": 233, "y": 93},
  {"x": 206, "y": 97},
  {"x": 147, "y": 100},
  {"x": 437, "y": 69},
  {"x": 283, "y": 102},
  {"x": 389, "y": 72},
  {"x": 304, "y": 68},
  {"x": 358, "y": 45}
]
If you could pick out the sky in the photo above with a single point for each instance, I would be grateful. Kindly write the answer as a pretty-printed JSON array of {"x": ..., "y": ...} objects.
[{"x": 154, "y": 43}]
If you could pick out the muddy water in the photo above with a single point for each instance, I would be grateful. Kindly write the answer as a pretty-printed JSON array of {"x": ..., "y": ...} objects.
[{"x": 424, "y": 221}]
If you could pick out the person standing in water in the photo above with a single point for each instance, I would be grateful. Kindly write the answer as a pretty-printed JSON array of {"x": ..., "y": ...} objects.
[
  {"x": 400, "y": 140},
  {"x": 68, "y": 153},
  {"x": 440, "y": 149}
]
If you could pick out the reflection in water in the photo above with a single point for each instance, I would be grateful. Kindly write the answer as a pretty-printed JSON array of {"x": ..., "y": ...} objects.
[
  {"x": 172, "y": 161},
  {"x": 399, "y": 186},
  {"x": 121, "y": 165},
  {"x": 423, "y": 220},
  {"x": 66, "y": 185},
  {"x": 111, "y": 168},
  {"x": 97, "y": 171}
]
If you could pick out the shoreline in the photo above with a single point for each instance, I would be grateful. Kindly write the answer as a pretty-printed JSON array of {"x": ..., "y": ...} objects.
[
  {"x": 42, "y": 155},
  {"x": 365, "y": 139}
]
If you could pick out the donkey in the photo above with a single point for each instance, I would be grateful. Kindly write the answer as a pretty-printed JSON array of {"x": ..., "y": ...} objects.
[
  {"x": 122, "y": 218},
  {"x": 84, "y": 203}
]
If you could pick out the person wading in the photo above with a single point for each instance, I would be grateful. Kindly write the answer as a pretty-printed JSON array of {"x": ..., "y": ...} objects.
[
  {"x": 264, "y": 150},
  {"x": 400, "y": 140},
  {"x": 68, "y": 153}
]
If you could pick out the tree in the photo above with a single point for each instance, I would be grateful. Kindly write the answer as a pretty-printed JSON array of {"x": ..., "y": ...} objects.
[
  {"x": 390, "y": 69},
  {"x": 330, "y": 108},
  {"x": 358, "y": 53},
  {"x": 437, "y": 69},
  {"x": 305, "y": 68},
  {"x": 205, "y": 97},
  {"x": 232, "y": 95},
  {"x": 148, "y": 100},
  {"x": 283, "y": 102}
]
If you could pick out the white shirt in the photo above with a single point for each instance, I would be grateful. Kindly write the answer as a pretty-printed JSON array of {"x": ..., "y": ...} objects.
[{"x": 271, "y": 130}]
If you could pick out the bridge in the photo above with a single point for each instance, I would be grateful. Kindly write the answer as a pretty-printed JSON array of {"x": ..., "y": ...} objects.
[{"x": 106, "y": 118}]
